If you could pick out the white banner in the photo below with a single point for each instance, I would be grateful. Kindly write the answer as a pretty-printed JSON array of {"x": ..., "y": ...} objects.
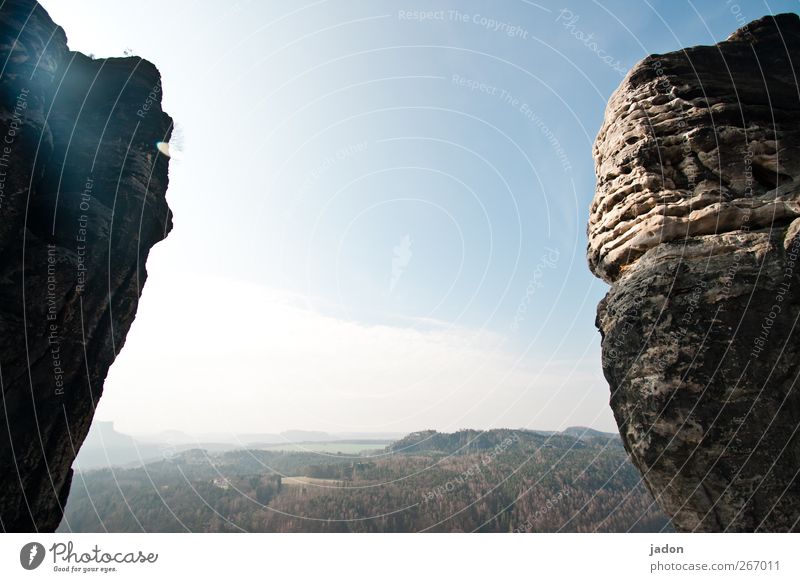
[{"x": 354, "y": 557}]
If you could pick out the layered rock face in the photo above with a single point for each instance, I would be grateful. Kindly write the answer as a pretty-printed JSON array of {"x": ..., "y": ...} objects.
[
  {"x": 695, "y": 226},
  {"x": 82, "y": 201}
]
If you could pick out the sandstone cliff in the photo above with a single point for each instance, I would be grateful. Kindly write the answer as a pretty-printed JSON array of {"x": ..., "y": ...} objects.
[
  {"x": 82, "y": 190},
  {"x": 695, "y": 226}
]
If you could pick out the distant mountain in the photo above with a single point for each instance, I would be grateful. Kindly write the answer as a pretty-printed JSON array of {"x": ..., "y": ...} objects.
[
  {"x": 103, "y": 434},
  {"x": 471, "y": 441},
  {"x": 583, "y": 432},
  {"x": 492, "y": 481},
  {"x": 105, "y": 447}
]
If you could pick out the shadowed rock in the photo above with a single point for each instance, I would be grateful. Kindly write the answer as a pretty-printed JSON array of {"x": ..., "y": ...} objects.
[
  {"x": 81, "y": 203},
  {"x": 695, "y": 225}
]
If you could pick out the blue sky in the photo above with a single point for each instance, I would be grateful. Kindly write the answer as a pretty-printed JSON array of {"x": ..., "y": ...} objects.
[{"x": 380, "y": 208}]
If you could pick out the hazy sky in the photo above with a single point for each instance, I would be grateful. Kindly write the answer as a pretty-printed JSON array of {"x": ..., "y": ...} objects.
[{"x": 379, "y": 214}]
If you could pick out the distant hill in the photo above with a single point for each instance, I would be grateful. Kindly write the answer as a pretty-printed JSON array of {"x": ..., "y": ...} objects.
[
  {"x": 470, "y": 441},
  {"x": 501, "y": 480},
  {"x": 105, "y": 447},
  {"x": 585, "y": 432}
]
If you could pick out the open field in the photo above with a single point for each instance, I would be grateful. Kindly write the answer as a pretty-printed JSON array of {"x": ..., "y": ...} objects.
[{"x": 313, "y": 481}]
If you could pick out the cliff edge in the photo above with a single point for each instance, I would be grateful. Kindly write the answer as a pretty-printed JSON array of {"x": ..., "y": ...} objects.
[
  {"x": 82, "y": 201},
  {"x": 695, "y": 226}
]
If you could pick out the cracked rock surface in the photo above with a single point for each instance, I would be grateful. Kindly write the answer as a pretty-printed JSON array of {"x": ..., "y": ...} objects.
[{"x": 694, "y": 225}]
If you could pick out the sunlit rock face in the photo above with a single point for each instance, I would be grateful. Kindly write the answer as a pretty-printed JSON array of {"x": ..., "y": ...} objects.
[
  {"x": 82, "y": 201},
  {"x": 695, "y": 226}
]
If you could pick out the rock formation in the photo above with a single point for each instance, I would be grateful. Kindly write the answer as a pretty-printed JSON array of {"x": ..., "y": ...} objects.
[
  {"x": 82, "y": 188},
  {"x": 695, "y": 225}
]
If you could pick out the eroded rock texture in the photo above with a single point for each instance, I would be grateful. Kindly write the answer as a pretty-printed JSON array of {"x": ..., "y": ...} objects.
[
  {"x": 694, "y": 224},
  {"x": 81, "y": 203}
]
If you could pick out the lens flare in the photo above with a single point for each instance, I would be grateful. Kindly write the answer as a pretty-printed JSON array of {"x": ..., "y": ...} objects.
[{"x": 167, "y": 150}]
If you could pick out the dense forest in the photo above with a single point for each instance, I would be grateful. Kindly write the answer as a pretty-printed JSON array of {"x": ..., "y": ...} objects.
[{"x": 493, "y": 481}]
